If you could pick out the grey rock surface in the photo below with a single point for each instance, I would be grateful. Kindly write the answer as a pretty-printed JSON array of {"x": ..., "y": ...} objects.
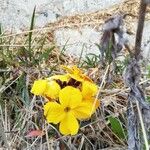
[
  {"x": 75, "y": 41},
  {"x": 16, "y": 15},
  {"x": 87, "y": 38},
  {"x": 145, "y": 40}
]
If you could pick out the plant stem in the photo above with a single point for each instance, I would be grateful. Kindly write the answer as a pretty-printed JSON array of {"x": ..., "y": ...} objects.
[
  {"x": 142, "y": 126},
  {"x": 140, "y": 27}
]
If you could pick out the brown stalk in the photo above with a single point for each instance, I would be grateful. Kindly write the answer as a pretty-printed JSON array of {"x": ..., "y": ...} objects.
[{"x": 140, "y": 27}]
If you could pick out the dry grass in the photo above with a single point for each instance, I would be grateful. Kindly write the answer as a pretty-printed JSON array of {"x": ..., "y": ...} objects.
[{"x": 21, "y": 112}]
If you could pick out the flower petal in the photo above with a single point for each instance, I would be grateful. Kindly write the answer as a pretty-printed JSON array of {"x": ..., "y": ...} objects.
[
  {"x": 86, "y": 78},
  {"x": 72, "y": 69},
  {"x": 59, "y": 77},
  {"x": 53, "y": 112},
  {"x": 69, "y": 125},
  {"x": 76, "y": 73},
  {"x": 39, "y": 87},
  {"x": 94, "y": 102},
  {"x": 76, "y": 70},
  {"x": 52, "y": 90},
  {"x": 67, "y": 68},
  {"x": 88, "y": 89},
  {"x": 70, "y": 97},
  {"x": 83, "y": 111},
  {"x": 76, "y": 77}
]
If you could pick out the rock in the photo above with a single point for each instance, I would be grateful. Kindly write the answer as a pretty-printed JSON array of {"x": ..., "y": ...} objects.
[
  {"x": 87, "y": 37},
  {"x": 145, "y": 40},
  {"x": 75, "y": 41},
  {"x": 17, "y": 14}
]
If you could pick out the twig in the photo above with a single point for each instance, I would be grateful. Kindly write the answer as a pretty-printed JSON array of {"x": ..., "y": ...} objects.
[
  {"x": 140, "y": 27},
  {"x": 139, "y": 33},
  {"x": 3, "y": 135},
  {"x": 3, "y": 88},
  {"x": 142, "y": 126},
  {"x": 104, "y": 77},
  {"x": 46, "y": 131},
  {"x": 136, "y": 99},
  {"x": 101, "y": 86}
]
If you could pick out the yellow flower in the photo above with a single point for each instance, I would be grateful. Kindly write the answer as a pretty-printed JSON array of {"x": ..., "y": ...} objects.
[
  {"x": 72, "y": 69},
  {"x": 52, "y": 90},
  {"x": 92, "y": 101},
  {"x": 59, "y": 77},
  {"x": 70, "y": 109},
  {"x": 76, "y": 73},
  {"x": 45, "y": 88},
  {"x": 88, "y": 89},
  {"x": 39, "y": 87}
]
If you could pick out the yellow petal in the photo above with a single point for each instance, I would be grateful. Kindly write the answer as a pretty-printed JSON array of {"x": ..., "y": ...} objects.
[
  {"x": 76, "y": 70},
  {"x": 72, "y": 69},
  {"x": 70, "y": 97},
  {"x": 80, "y": 77},
  {"x": 67, "y": 68},
  {"x": 39, "y": 87},
  {"x": 52, "y": 90},
  {"x": 76, "y": 77},
  {"x": 89, "y": 89},
  {"x": 53, "y": 112},
  {"x": 94, "y": 102},
  {"x": 76, "y": 73},
  {"x": 59, "y": 77},
  {"x": 83, "y": 110},
  {"x": 86, "y": 78},
  {"x": 69, "y": 125}
]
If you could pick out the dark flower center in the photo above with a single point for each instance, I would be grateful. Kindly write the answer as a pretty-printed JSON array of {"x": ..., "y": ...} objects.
[
  {"x": 67, "y": 109},
  {"x": 72, "y": 82}
]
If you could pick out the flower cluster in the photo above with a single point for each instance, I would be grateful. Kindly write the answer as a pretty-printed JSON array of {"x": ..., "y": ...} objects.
[{"x": 71, "y": 97}]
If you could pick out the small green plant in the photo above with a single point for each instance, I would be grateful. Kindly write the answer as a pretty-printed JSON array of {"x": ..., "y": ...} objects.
[
  {"x": 90, "y": 61},
  {"x": 148, "y": 99},
  {"x": 148, "y": 71},
  {"x": 121, "y": 64}
]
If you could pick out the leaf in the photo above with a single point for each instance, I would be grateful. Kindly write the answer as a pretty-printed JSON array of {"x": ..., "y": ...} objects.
[
  {"x": 23, "y": 91},
  {"x": 35, "y": 133},
  {"x": 91, "y": 60},
  {"x": 81, "y": 55},
  {"x": 31, "y": 28},
  {"x": 30, "y": 33},
  {"x": 1, "y": 40},
  {"x": 116, "y": 127}
]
